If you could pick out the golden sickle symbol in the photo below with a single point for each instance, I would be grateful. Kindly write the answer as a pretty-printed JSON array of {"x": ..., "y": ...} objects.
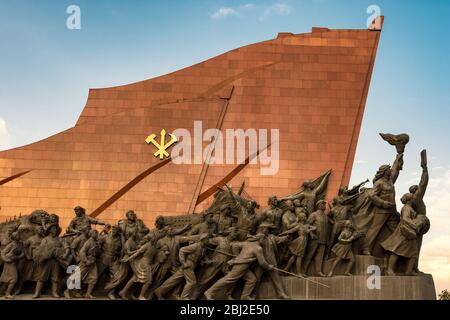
[{"x": 162, "y": 146}]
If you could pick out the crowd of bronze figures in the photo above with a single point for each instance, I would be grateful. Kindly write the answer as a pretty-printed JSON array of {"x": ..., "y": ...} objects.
[{"x": 227, "y": 248}]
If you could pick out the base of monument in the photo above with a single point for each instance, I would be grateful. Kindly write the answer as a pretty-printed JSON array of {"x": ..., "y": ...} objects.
[{"x": 356, "y": 287}]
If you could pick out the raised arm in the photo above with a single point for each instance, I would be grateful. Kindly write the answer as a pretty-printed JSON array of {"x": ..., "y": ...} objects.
[
  {"x": 137, "y": 252},
  {"x": 423, "y": 181},
  {"x": 185, "y": 239},
  {"x": 397, "y": 166},
  {"x": 321, "y": 187},
  {"x": 96, "y": 221},
  {"x": 281, "y": 239},
  {"x": 235, "y": 202},
  {"x": 194, "y": 230},
  {"x": 182, "y": 229}
]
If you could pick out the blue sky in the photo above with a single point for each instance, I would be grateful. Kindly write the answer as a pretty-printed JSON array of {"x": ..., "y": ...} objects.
[{"x": 46, "y": 69}]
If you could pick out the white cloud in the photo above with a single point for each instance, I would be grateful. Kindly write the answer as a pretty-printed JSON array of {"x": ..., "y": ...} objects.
[
  {"x": 223, "y": 12},
  {"x": 435, "y": 253},
  {"x": 277, "y": 8},
  {"x": 4, "y": 135},
  {"x": 437, "y": 199},
  {"x": 248, "y": 6},
  {"x": 281, "y": 8},
  {"x": 261, "y": 11},
  {"x": 435, "y": 259},
  {"x": 360, "y": 161}
]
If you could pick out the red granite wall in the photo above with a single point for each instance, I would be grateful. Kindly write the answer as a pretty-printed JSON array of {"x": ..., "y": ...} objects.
[{"x": 312, "y": 86}]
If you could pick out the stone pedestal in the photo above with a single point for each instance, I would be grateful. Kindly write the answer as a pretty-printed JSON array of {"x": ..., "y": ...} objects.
[
  {"x": 340, "y": 287},
  {"x": 359, "y": 268},
  {"x": 355, "y": 288}
]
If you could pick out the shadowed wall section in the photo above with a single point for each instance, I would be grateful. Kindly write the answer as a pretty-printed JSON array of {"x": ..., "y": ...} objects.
[{"x": 312, "y": 87}]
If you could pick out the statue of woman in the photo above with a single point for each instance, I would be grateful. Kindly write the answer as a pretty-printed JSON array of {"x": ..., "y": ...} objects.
[
  {"x": 297, "y": 246},
  {"x": 380, "y": 209},
  {"x": 343, "y": 248},
  {"x": 28, "y": 270},
  {"x": 143, "y": 266},
  {"x": 404, "y": 241},
  {"x": 11, "y": 255},
  {"x": 376, "y": 206}
]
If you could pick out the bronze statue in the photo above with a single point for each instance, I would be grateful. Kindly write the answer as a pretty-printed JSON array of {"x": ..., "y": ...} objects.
[
  {"x": 418, "y": 191},
  {"x": 403, "y": 242},
  {"x": 270, "y": 244},
  {"x": 11, "y": 255},
  {"x": 190, "y": 257},
  {"x": 297, "y": 247},
  {"x": 289, "y": 217},
  {"x": 380, "y": 210},
  {"x": 130, "y": 225},
  {"x": 111, "y": 253},
  {"x": 49, "y": 253},
  {"x": 217, "y": 263},
  {"x": 208, "y": 225},
  {"x": 228, "y": 248},
  {"x": 246, "y": 216},
  {"x": 82, "y": 221},
  {"x": 88, "y": 255},
  {"x": 224, "y": 219},
  {"x": 317, "y": 245},
  {"x": 250, "y": 251},
  {"x": 31, "y": 259},
  {"x": 343, "y": 249},
  {"x": 143, "y": 264},
  {"x": 311, "y": 192},
  {"x": 272, "y": 214},
  {"x": 168, "y": 257}
]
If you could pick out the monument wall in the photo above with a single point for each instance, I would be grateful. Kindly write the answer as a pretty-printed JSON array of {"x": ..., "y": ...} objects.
[{"x": 312, "y": 86}]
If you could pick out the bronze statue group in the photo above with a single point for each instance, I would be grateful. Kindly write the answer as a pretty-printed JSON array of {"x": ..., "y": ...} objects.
[{"x": 227, "y": 249}]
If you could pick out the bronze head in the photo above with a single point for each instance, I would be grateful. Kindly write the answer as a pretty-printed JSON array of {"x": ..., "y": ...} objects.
[
  {"x": 321, "y": 205},
  {"x": 131, "y": 216},
  {"x": 273, "y": 201},
  {"x": 407, "y": 198},
  {"x": 383, "y": 172},
  {"x": 307, "y": 184},
  {"x": 290, "y": 205},
  {"x": 79, "y": 211}
]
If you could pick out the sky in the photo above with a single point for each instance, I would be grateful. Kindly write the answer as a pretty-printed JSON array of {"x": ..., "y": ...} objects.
[{"x": 46, "y": 71}]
